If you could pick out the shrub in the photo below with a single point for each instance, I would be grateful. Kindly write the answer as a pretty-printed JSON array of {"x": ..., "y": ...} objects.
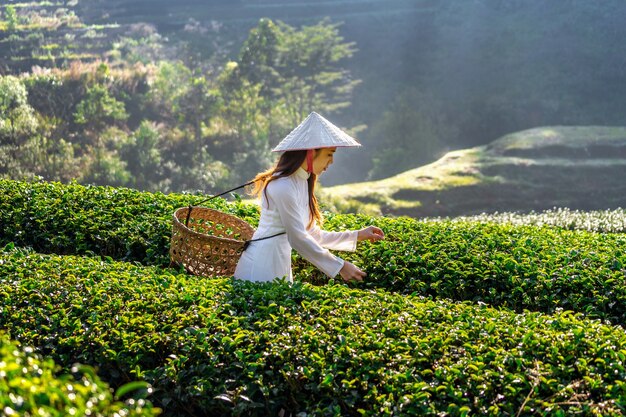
[
  {"x": 229, "y": 347},
  {"x": 30, "y": 386},
  {"x": 121, "y": 223},
  {"x": 604, "y": 221},
  {"x": 518, "y": 267}
]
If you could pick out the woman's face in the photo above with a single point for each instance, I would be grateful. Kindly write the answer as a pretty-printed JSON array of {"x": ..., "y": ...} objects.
[{"x": 323, "y": 159}]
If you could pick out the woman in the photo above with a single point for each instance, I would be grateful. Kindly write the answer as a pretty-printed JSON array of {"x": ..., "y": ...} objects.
[{"x": 290, "y": 214}]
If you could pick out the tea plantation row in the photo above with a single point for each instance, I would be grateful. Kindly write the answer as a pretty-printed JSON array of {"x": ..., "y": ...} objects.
[
  {"x": 604, "y": 221},
  {"x": 229, "y": 347},
  {"x": 74, "y": 219},
  {"x": 518, "y": 267}
]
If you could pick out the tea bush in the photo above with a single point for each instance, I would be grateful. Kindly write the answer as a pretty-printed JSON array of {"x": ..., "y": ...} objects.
[
  {"x": 514, "y": 266},
  {"x": 229, "y": 347},
  {"x": 518, "y": 267},
  {"x": 604, "y": 221},
  {"x": 122, "y": 223},
  {"x": 30, "y": 386}
]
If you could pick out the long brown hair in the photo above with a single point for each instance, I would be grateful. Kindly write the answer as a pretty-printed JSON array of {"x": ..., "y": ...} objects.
[{"x": 287, "y": 164}]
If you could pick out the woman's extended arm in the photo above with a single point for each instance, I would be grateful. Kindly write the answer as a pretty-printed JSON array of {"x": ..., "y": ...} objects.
[{"x": 344, "y": 241}]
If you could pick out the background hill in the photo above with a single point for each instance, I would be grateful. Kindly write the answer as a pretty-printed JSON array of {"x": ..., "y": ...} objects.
[
  {"x": 581, "y": 168},
  {"x": 435, "y": 75}
]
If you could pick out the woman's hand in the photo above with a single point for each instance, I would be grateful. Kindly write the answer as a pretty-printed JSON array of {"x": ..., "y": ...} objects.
[
  {"x": 350, "y": 272},
  {"x": 371, "y": 233}
]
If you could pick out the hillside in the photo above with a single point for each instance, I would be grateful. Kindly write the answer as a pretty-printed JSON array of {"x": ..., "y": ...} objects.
[{"x": 537, "y": 169}]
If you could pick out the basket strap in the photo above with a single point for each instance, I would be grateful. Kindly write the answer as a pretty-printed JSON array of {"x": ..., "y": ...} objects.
[
  {"x": 212, "y": 197},
  {"x": 247, "y": 242}
]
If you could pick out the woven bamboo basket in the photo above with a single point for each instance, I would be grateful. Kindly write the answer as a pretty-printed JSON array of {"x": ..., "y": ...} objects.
[{"x": 208, "y": 242}]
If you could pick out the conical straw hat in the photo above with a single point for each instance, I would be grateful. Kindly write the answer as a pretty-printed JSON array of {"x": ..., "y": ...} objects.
[{"x": 313, "y": 133}]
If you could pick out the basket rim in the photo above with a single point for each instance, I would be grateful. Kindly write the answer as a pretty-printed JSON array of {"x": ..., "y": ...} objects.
[{"x": 178, "y": 223}]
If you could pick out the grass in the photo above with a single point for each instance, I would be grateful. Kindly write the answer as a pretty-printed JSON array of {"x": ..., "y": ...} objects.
[
  {"x": 575, "y": 136},
  {"x": 532, "y": 170}
]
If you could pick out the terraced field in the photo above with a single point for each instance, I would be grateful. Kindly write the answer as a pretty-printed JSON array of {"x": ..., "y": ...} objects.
[{"x": 576, "y": 167}]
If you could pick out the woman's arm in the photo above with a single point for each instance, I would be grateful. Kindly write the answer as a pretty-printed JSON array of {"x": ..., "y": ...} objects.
[
  {"x": 344, "y": 241},
  {"x": 283, "y": 197}
]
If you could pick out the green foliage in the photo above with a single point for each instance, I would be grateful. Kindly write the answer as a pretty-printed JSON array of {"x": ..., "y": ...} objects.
[
  {"x": 208, "y": 132},
  {"x": 54, "y": 95},
  {"x": 228, "y": 347},
  {"x": 243, "y": 111},
  {"x": 170, "y": 84},
  {"x": 18, "y": 124},
  {"x": 117, "y": 222},
  {"x": 106, "y": 167},
  {"x": 603, "y": 221},
  {"x": 308, "y": 63},
  {"x": 282, "y": 75},
  {"x": 420, "y": 336},
  {"x": 258, "y": 57},
  {"x": 16, "y": 116},
  {"x": 31, "y": 386},
  {"x": 143, "y": 47},
  {"x": 12, "y": 19},
  {"x": 272, "y": 88},
  {"x": 518, "y": 267},
  {"x": 98, "y": 109},
  {"x": 82, "y": 122},
  {"x": 298, "y": 69},
  {"x": 42, "y": 156},
  {"x": 194, "y": 158},
  {"x": 143, "y": 148}
]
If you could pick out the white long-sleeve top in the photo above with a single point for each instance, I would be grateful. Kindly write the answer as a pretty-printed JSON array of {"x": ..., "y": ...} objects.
[{"x": 285, "y": 208}]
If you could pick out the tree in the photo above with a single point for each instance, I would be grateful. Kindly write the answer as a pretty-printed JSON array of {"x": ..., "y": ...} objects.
[
  {"x": 17, "y": 117},
  {"x": 187, "y": 101},
  {"x": 17, "y": 123},
  {"x": 142, "y": 155},
  {"x": 243, "y": 111},
  {"x": 28, "y": 146},
  {"x": 168, "y": 83},
  {"x": 55, "y": 156},
  {"x": 98, "y": 109},
  {"x": 308, "y": 62},
  {"x": 99, "y": 113},
  {"x": 49, "y": 158},
  {"x": 409, "y": 134},
  {"x": 258, "y": 64},
  {"x": 258, "y": 58},
  {"x": 282, "y": 75},
  {"x": 12, "y": 18},
  {"x": 104, "y": 166},
  {"x": 184, "y": 98},
  {"x": 298, "y": 70}
]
